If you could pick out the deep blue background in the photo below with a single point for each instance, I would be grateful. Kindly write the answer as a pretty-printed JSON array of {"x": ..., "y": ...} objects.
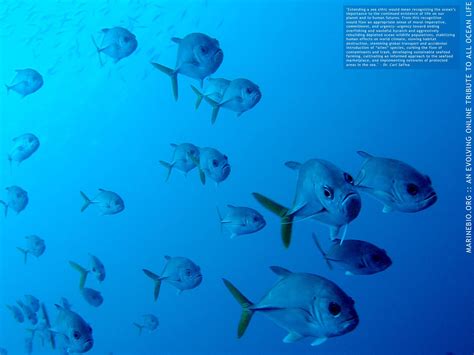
[{"x": 108, "y": 128}]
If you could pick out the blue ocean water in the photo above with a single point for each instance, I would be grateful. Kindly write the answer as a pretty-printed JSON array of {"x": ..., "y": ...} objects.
[{"x": 108, "y": 127}]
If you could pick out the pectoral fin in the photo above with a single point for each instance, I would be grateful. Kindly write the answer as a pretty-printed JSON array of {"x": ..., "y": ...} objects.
[
  {"x": 387, "y": 209},
  {"x": 318, "y": 341},
  {"x": 292, "y": 337}
]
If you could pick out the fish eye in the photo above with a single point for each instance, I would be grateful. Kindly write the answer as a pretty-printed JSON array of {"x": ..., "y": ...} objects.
[
  {"x": 376, "y": 258},
  {"x": 348, "y": 178},
  {"x": 204, "y": 49},
  {"x": 334, "y": 308},
  {"x": 328, "y": 192},
  {"x": 76, "y": 334},
  {"x": 188, "y": 272},
  {"x": 412, "y": 189},
  {"x": 215, "y": 163},
  {"x": 94, "y": 269},
  {"x": 249, "y": 90}
]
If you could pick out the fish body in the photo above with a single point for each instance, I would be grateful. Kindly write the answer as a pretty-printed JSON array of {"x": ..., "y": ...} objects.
[
  {"x": 305, "y": 305},
  {"x": 76, "y": 331},
  {"x": 213, "y": 164},
  {"x": 23, "y": 147},
  {"x": 16, "y": 313},
  {"x": 182, "y": 273},
  {"x": 198, "y": 57},
  {"x": 28, "y": 312},
  {"x": 399, "y": 186},
  {"x": 108, "y": 202},
  {"x": 355, "y": 257},
  {"x": 184, "y": 157},
  {"x": 117, "y": 43},
  {"x": 214, "y": 89},
  {"x": 149, "y": 322},
  {"x": 35, "y": 246},
  {"x": 323, "y": 192},
  {"x": 242, "y": 220},
  {"x": 26, "y": 82},
  {"x": 17, "y": 199},
  {"x": 240, "y": 96},
  {"x": 93, "y": 297}
]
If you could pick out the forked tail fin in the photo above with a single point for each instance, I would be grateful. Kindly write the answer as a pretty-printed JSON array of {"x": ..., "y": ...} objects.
[{"x": 281, "y": 211}]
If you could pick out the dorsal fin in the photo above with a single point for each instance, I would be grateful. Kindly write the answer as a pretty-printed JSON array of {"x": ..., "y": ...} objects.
[
  {"x": 293, "y": 165},
  {"x": 280, "y": 271},
  {"x": 173, "y": 145},
  {"x": 364, "y": 154},
  {"x": 176, "y": 40}
]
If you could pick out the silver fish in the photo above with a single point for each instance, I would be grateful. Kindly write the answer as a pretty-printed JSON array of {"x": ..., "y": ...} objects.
[
  {"x": 117, "y": 43},
  {"x": 93, "y": 297},
  {"x": 240, "y": 96},
  {"x": 323, "y": 192},
  {"x": 242, "y": 220},
  {"x": 16, "y": 313},
  {"x": 107, "y": 202},
  {"x": 305, "y": 305},
  {"x": 76, "y": 331},
  {"x": 34, "y": 246},
  {"x": 198, "y": 57},
  {"x": 355, "y": 257},
  {"x": 26, "y": 82},
  {"x": 179, "y": 272},
  {"x": 23, "y": 147},
  {"x": 149, "y": 322},
  {"x": 17, "y": 199},
  {"x": 184, "y": 156},
  {"x": 214, "y": 89},
  {"x": 212, "y": 164},
  {"x": 28, "y": 312},
  {"x": 396, "y": 184}
]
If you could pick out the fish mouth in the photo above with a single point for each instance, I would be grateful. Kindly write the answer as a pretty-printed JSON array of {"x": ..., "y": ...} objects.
[
  {"x": 88, "y": 345},
  {"x": 350, "y": 324},
  {"x": 351, "y": 205},
  {"x": 219, "y": 56},
  {"x": 225, "y": 171},
  {"x": 431, "y": 198}
]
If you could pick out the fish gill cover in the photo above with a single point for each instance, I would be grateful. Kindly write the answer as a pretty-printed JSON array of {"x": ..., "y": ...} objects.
[{"x": 202, "y": 140}]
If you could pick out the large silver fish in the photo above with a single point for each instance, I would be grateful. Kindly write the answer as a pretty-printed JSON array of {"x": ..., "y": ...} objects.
[
  {"x": 198, "y": 57},
  {"x": 184, "y": 156},
  {"x": 355, "y": 257},
  {"x": 23, "y": 147},
  {"x": 76, "y": 331},
  {"x": 180, "y": 272},
  {"x": 117, "y": 43},
  {"x": 26, "y": 82},
  {"x": 323, "y": 192},
  {"x": 240, "y": 96},
  {"x": 212, "y": 164},
  {"x": 305, "y": 305},
  {"x": 241, "y": 220},
  {"x": 108, "y": 202},
  {"x": 17, "y": 199},
  {"x": 149, "y": 322},
  {"x": 214, "y": 89},
  {"x": 396, "y": 184},
  {"x": 34, "y": 246}
]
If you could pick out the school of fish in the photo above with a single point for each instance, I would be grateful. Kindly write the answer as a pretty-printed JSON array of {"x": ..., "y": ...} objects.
[{"x": 304, "y": 304}]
